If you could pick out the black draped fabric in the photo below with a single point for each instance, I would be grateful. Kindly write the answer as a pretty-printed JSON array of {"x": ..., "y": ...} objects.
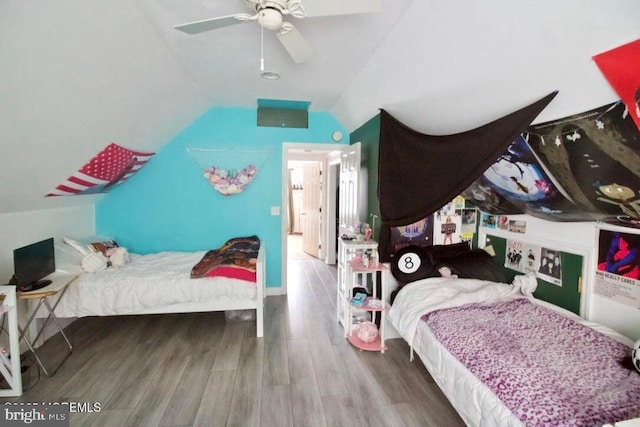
[{"x": 418, "y": 173}]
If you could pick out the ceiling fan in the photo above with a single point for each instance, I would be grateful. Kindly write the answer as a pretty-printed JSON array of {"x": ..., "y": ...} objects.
[{"x": 270, "y": 14}]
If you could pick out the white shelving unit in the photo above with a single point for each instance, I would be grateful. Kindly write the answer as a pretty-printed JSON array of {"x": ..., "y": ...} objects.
[
  {"x": 347, "y": 250},
  {"x": 10, "y": 368}
]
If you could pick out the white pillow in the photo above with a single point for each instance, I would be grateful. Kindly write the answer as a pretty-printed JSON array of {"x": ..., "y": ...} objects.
[
  {"x": 68, "y": 260},
  {"x": 94, "y": 262},
  {"x": 91, "y": 244},
  {"x": 78, "y": 246}
]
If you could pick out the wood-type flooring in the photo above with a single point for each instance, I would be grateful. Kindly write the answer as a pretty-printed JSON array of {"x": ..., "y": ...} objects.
[{"x": 196, "y": 369}]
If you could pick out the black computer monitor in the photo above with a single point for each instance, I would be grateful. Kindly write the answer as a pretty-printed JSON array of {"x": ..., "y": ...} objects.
[{"x": 32, "y": 263}]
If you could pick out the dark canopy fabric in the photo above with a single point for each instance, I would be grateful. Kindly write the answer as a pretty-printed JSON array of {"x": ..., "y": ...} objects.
[{"x": 418, "y": 173}]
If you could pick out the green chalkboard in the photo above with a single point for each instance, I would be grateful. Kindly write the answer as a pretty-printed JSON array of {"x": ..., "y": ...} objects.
[{"x": 566, "y": 296}]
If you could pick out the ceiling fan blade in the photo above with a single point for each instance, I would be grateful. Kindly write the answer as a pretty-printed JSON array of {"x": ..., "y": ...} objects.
[
  {"x": 214, "y": 23},
  {"x": 339, "y": 7},
  {"x": 295, "y": 44}
]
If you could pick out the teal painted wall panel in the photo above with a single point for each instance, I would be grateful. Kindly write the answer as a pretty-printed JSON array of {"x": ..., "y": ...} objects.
[
  {"x": 168, "y": 205},
  {"x": 369, "y": 136}
]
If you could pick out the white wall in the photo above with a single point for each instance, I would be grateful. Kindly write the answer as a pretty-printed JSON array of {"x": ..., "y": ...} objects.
[
  {"x": 22, "y": 228},
  {"x": 583, "y": 235}
]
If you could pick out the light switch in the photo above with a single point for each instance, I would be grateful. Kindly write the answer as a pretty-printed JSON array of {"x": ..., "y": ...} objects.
[{"x": 275, "y": 210}]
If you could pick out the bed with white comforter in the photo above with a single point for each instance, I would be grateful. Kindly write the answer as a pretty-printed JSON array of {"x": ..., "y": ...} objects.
[
  {"x": 448, "y": 303},
  {"x": 161, "y": 283}
]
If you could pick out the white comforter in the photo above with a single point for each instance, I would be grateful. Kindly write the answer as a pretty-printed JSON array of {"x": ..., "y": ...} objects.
[{"x": 148, "y": 282}]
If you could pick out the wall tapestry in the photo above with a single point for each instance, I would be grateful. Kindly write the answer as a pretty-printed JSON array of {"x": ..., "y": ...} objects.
[
  {"x": 419, "y": 173},
  {"x": 584, "y": 167},
  {"x": 229, "y": 170},
  {"x": 618, "y": 271},
  {"x": 594, "y": 157},
  {"x": 517, "y": 183},
  {"x": 620, "y": 66},
  {"x": 111, "y": 166}
]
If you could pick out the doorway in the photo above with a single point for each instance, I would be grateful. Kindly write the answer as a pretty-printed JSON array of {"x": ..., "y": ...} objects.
[
  {"x": 309, "y": 230},
  {"x": 304, "y": 208}
]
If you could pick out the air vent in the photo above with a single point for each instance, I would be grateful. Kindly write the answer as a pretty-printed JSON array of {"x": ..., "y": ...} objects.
[{"x": 283, "y": 114}]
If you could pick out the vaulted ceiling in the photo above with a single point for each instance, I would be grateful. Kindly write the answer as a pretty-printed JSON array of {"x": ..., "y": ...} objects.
[{"x": 76, "y": 75}]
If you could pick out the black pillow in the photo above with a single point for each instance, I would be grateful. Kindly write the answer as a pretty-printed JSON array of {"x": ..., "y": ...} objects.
[
  {"x": 446, "y": 251},
  {"x": 474, "y": 264},
  {"x": 411, "y": 263}
]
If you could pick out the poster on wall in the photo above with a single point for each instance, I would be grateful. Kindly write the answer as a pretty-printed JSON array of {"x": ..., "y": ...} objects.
[
  {"x": 550, "y": 269},
  {"x": 532, "y": 255},
  {"x": 488, "y": 221},
  {"x": 468, "y": 217},
  {"x": 517, "y": 226},
  {"x": 618, "y": 271},
  {"x": 418, "y": 233},
  {"x": 518, "y": 179},
  {"x": 522, "y": 257},
  {"x": 593, "y": 157},
  {"x": 513, "y": 257},
  {"x": 447, "y": 229}
]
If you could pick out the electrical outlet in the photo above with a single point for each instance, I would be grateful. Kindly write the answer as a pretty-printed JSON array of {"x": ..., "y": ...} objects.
[{"x": 275, "y": 210}]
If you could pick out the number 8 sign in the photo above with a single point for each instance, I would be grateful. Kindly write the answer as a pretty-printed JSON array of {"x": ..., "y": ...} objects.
[{"x": 411, "y": 263}]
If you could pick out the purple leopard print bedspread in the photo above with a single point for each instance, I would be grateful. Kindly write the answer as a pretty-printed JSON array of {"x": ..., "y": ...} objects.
[{"x": 548, "y": 370}]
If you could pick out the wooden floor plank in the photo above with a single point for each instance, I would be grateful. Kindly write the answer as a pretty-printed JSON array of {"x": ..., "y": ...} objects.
[
  {"x": 276, "y": 406},
  {"x": 216, "y": 400},
  {"x": 247, "y": 391}
]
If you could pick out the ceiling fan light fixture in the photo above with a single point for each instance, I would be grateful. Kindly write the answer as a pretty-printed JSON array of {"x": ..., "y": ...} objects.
[
  {"x": 269, "y": 75},
  {"x": 270, "y": 18}
]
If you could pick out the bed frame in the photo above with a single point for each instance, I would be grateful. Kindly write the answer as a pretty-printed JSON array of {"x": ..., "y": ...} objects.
[
  {"x": 257, "y": 304},
  {"x": 215, "y": 305}
]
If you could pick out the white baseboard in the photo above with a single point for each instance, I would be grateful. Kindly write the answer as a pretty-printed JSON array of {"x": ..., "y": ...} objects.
[{"x": 274, "y": 291}]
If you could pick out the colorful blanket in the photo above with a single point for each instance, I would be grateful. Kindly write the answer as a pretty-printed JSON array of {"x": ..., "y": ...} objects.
[
  {"x": 547, "y": 369},
  {"x": 236, "y": 259}
]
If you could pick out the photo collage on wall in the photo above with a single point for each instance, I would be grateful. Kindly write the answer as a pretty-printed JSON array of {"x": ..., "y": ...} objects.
[
  {"x": 529, "y": 258},
  {"x": 618, "y": 270},
  {"x": 502, "y": 222},
  {"x": 453, "y": 223}
]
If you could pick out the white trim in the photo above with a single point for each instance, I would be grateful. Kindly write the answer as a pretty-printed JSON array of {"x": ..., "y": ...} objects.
[
  {"x": 272, "y": 291},
  {"x": 303, "y": 151}
]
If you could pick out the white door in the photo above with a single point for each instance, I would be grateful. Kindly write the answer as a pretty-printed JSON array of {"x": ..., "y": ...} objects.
[
  {"x": 349, "y": 209},
  {"x": 311, "y": 208}
]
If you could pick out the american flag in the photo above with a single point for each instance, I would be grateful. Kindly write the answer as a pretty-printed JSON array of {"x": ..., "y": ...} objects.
[{"x": 111, "y": 166}]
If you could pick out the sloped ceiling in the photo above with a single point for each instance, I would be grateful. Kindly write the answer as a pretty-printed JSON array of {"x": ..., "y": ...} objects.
[{"x": 76, "y": 75}]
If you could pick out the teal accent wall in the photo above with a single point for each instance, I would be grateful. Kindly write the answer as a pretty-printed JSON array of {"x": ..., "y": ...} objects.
[
  {"x": 369, "y": 136},
  {"x": 168, "y": 205}
]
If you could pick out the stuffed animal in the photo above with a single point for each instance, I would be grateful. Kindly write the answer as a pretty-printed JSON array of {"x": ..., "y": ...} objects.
[
  {"x": 118, "y": 256},
  {"x": 367, "y": 332},
  {"x": 446, "y": 272},
  {"x": 635, "y": 355},
  {"x": 94, "y": 262}
]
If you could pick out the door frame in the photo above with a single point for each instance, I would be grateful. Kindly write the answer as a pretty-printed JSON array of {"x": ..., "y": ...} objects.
[{"x": 327, "y": 154}]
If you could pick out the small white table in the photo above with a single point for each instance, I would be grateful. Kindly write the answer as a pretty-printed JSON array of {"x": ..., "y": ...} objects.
[
  {"x": 10, "y": 367},
  {"x": 59, "y": 284}
]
